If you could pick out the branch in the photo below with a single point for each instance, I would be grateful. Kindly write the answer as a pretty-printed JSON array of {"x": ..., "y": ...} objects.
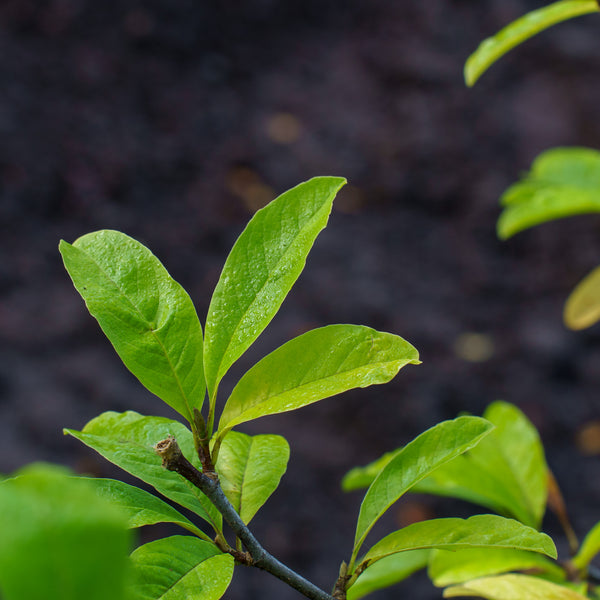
[{"x": 174, "y": 460}]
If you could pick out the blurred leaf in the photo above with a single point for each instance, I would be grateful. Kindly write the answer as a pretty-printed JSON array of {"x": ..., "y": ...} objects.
[
  {"x": 260, "y": 270},
  {"x": 318, "y": 364},
  {"x": 387, "y": 572},
  {"x": 454, "y": 534},
  {"x": 520, "y": 30},
  {"x": 141, "y": 507},
  {"x": 128, "y": 439},
  {"x": 415, "y": 461},
  {"x": 59, "y": 539},
  {"x": 582, "y": 308},
  {"x": 448, "y": 568},
  {"x": 250, "y": 468},
  {"x": 513, "y": 587},
  {"x": 147, "y": 316},
  {"x": 362, "y": 477},
  {"x": 589, "y": 548},
  {"x": 563, "y": 182},
  {"x": 181, "y": 567}
]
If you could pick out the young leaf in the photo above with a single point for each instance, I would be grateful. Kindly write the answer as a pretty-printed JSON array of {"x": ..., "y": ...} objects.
[
  {"x": 141, "y": 507},
  {"x": 127, "y": 440},
  {"x": 259, "y": 272},
  {"x": 387, "y": 572},
  {"x": 250, "y": 468},
  {"x": 318, "y": 364},
  {"x": 562, "y": 182},
  {"x": 453, "y": 534},
  {"x": 589, "y": 548},
  {"x": 513, "y": 587},
  {"x": 147, "y": 316},
  {"x": 449, "y": 568},
  {"x": 493, "y": 48},
  {"x": 415, "y": 461},
  {"x": 59, "y": 539},
  {"x": 180, "y": 567},
  {"x": 582, "y": 308}
]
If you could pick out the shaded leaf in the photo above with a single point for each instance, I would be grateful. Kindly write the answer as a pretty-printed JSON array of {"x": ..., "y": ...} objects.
[
  {"x": 582, "y": 308},
  {"x": 147, "y": 316},
  {"x": 127, "y": 440},
  {"x": 181, "y": 567},
  {"x": 513, "y": 587},
  {"x": 260, "y": 270},
  {"x": 318, "y": 364},
  {"x": 415, "y": 461},
  {"x": 520, "y": 30},
  {"x": 562, "y": 182}
]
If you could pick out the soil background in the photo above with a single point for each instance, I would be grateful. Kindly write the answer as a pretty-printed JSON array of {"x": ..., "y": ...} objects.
[{"x": 174, "y": 120}]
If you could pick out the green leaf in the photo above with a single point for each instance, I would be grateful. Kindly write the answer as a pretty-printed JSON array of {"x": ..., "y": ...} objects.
[
  {"x": 59, "y": 539},
  {"x": 250, "y": 468},
  {"x": 147, "y": 316},
  {"x": 128, "y": 439},
  {"x": 180, "y": 567},
  {"x": 387, "y": 572},
  {"x": 562, "y": 182},
  {"x": 493, "y": 48},
  {"x": 513, "y": 587},
  {"x": 582, "y": 308},
  {"x": 141, "y": 507},
  {"x": 362, "y": 477},
  {"x": 259, "y": 272},
  {"x": 449, "y": 568},
  {"x": 589, "y": 548},
  {"x": 454, "y": 534},
  {"x": 318, "y": 364},
  {"x": 415, "y": 461}
]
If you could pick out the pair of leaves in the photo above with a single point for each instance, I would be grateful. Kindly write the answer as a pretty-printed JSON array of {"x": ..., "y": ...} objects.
[{"x": 493, "y": 48}]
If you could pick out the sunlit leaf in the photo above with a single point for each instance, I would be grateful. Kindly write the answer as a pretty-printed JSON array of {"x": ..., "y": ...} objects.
[
  {"x": 562, "y": 182},
  {"x": 181, "y": 567},
  {"x": 513, "y": 587},
  {"x": 318, "y": 364},
  {"x": 415, "y": 461},
  {"x": 582, "y": 308},
  {"x": 147, "y": 316},
  {"x": 589, "y": 548},
  {"x": 493, "y": 48},
  {"x": 250, "y": 468},
  {"x": 260, "y": 270},
  {"x": 128, "y": 439}
]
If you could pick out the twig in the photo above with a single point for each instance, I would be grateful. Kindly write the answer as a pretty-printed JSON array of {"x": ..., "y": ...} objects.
[{"x": 174, "y": 460}]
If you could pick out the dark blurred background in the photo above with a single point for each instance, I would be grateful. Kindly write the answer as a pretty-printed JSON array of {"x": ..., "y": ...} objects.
[{"x": 174, "y": 120}]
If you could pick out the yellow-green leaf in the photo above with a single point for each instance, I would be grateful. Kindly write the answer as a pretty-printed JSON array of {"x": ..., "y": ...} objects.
[{"x": 582, "y": 308}]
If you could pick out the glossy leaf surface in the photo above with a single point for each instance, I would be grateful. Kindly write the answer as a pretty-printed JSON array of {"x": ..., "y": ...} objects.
[
  {"x": 493, "y": 48},
  {"x": 454, "y": 534},
  {"x": 562, "y": 182},
  {"x": 250, "y": 468},
  {"x": 260, "y": 270},
  {"x": 147, "y": 316},
  {"x": 59, "y": 539},
  {"x": 316, "y": 365},
  {"x": 513, "y": 587},
  {"x": 582, "y": 308},
  {"x": 128, "y": 439},
  {"x": 415, "y": 461},
  {"x": 181, "y": 567}
]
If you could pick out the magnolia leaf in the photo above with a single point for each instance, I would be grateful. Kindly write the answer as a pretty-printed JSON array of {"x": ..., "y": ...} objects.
[
  {"x": 250, "y": 468},
  {"x": 562, "y": 182},
  {"x": 59, "y": 539},
  {"x": 588, "y": 549},
  {"x": 453, "y": 534},
  {"x": 415, "y": 461},
  {"x": 180, "y": 567},
  {"x": 147, "y": 316},
  {"x": 449, "y": 568},
  {"x": 141, "y": 507},
  {"x": 493, "y": 48},
  {"x": 387, "y": 572},
  {"x": 260, "y": 270},
  {"x": 582, "y": 308},
  {"x": 513, "y": 587},
  {"x": 128, "y": 439},
  {"x": 316, "y": 365}
]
